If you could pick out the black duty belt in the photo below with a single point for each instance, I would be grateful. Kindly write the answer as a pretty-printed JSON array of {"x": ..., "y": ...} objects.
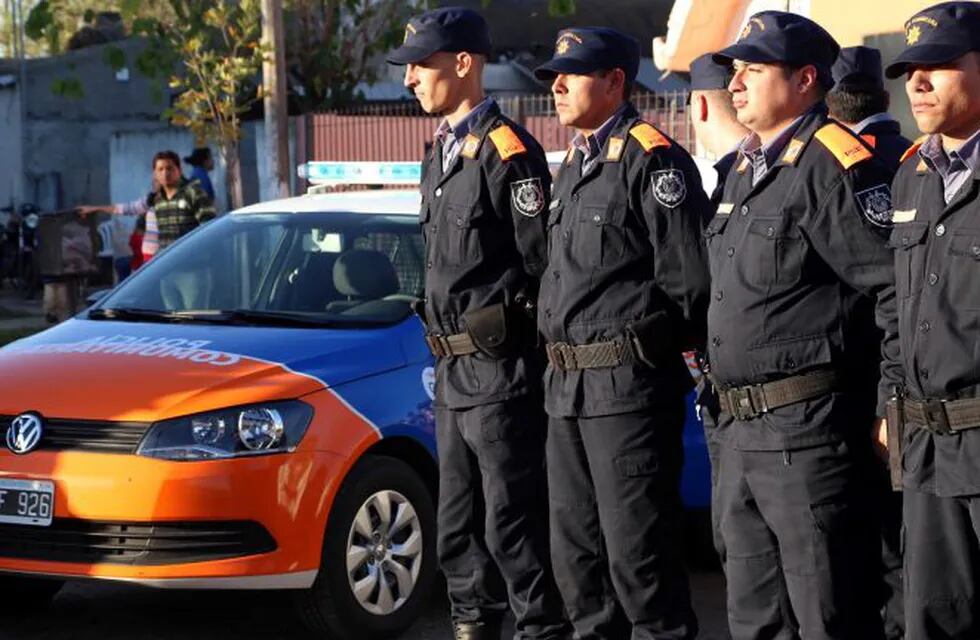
[
  {"x": 745, "y": 403},
  {"x": 458, "y": 344},
  {"x": 595, "y": 355},
  {"x": 944, "y": 417}
]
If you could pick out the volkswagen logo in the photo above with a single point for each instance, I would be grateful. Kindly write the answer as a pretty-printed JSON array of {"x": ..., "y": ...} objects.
[{"x": 24, "y": 433}]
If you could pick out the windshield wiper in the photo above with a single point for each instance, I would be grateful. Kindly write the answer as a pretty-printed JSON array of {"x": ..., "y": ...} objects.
[
  {"x": 296, "y": 319},
  {"x": 132, "y": 314}
]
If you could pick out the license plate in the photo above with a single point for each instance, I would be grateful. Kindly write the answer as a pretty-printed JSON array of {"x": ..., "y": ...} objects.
[{"x": 26, "y": 501}]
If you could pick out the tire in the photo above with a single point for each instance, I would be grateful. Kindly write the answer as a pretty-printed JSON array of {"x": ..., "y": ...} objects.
[
  {"x": 21, "y": 595},
  {"x": 384, "y": 565}
]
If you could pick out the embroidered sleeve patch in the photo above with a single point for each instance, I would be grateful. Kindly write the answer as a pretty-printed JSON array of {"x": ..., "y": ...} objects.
[
  {"x": 876, "y": 205},
  {"x": 527, "y": 196},
  {"x": 669, "y": 187},
  {"x": 507, "y": 142}
]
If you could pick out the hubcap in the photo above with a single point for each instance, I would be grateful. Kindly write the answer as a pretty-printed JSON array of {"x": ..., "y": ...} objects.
[{"x": 384, "y": 552}]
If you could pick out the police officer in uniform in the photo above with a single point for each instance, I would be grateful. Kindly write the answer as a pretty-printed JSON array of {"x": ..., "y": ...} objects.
[
  {"x": 485, "y": 189},
  {"x": 936, "y": 238},
  {"x": 797, "y": 240},
  {"x": 713, "y": 117},
  {"x": 860, "y": 101},
  {"x": 624, "y": 292}
]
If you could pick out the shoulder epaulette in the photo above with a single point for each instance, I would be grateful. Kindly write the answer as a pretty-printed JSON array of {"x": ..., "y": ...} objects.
[
  {"x": 507, "y": 142},
  {"x": 844, "y": 145},
  {"x": 914, "y": 148},
  {"x": 648, "y": 137}
]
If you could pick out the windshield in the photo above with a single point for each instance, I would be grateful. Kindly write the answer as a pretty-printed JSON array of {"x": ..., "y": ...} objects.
[{"x": 305, "y": 269}]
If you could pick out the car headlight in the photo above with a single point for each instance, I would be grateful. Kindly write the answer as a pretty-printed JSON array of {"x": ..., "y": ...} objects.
[{"x": 271, "y": 427}]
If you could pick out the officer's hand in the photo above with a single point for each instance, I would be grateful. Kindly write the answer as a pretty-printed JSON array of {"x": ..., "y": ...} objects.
[{"x": 881, "y": 437}]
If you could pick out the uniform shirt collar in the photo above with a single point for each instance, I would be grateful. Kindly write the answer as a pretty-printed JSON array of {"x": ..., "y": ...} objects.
[
  {"x": 592, "y": 144},
  {"x": 859, "y": 127},
  {"x": 764, "y": 156},
  {"x": 943, "y": 162},
  {"x": 464, "y": 126}
]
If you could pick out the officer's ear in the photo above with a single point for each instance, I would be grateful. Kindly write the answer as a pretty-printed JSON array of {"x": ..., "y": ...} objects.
[
  {"x": 807, "y": 79},
  {"x": 617, "y": 81},
  {"x": 702, "y": 107},
  {"x": 468, "y": 64}
]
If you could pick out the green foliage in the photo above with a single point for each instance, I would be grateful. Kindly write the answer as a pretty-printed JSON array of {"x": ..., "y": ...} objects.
[
  {"x": 561, "y": 8},
  {"x": 114, "y": 57},
  {"x": 69, "y": 87},
  {"x": 333, "y": 45}
]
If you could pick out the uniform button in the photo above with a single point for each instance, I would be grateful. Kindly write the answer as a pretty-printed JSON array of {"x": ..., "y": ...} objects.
[
  {"x": 428, "y": 265},
  {"x": 547, "y": 312},
  {"x": 924, "y": 374},
  {"x": 716, "y": 341},
  {"x": 575, "y": 197},
  {"x": 924, "y": 327},
  {"x": 731, "y": 251},
  {"x": 719, "y": 295},
  {"x": 975, "y": 249},
  {"x": 791, "y": 363},
  {"x": 770, "y": 232},
  {"x": 905, "y": 241},
  {"x": 459, "y": 222},
  {"x": 744, "y": 210},
  {"x": 565, "y": 234},
  {"x": 439, "y": 192},
  {"x": 940, "y": 229},
  {"x": 933, "y": 278},
  {"x": 597, "y": 219}
]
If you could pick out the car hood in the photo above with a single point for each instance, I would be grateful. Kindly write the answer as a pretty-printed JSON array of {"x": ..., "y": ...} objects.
[{"x": 143, "y": 372}]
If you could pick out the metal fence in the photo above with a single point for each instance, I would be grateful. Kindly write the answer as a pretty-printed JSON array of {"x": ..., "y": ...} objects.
[{"x": 401, "y": 130}]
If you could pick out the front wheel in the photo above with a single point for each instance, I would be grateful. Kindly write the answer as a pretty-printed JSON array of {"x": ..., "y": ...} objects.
[{"x": 378, "y": 557}]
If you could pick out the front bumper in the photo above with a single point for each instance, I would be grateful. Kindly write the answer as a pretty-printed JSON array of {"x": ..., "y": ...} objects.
[{"x": 287, "y": 495}]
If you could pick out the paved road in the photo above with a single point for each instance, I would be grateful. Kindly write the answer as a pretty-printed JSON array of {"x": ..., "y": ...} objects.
[{"x": 102, "y": 611}]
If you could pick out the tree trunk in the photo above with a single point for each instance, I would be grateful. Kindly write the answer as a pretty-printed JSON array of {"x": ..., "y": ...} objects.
[{"x": 233, "y": 174}]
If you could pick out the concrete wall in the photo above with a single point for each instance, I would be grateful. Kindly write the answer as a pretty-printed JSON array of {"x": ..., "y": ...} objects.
[{"x": 11, "y": 184}]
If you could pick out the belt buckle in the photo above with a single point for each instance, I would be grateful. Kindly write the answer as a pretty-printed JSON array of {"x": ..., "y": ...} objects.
[
  {"x": 747, "y": 402},
  {"x": 740, "y": 400},
  {"x": 936, "y": 419},
  {"x": 439, "y": 345},
  {"x": 564, "y": 356}
]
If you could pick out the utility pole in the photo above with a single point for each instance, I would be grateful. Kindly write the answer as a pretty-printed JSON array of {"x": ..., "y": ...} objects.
[{"x": 274, "y": 82}]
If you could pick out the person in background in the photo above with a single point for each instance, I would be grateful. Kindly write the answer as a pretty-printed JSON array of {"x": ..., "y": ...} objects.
[
  {"x": 136, "y": 244},
  {"x": 860, "y": 101},
  {"x": 203, "y": 163}
]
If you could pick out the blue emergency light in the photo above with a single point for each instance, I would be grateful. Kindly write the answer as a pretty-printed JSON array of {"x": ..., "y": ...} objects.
[{"x": 339, "y": 173}]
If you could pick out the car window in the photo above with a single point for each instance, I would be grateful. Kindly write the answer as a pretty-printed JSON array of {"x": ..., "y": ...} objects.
[{"x": 339, "y": 266}]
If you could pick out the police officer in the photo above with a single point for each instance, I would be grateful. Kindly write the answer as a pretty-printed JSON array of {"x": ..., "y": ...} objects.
[
  {"x": 860, "y": 101},
  {"x": 796, "y": 241},
  {"x": 485, "y": 193},
  {"x": 936, "y": 238},
  {"x": 713, "y": 117},
  {"x": 625, "y": 290}
]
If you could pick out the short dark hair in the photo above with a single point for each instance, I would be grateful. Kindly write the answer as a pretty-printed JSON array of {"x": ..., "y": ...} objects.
[
  {"x": 166, "y": 155},
  {"x": 854, "y": 105},
  {"x": 627, "y": 84}
]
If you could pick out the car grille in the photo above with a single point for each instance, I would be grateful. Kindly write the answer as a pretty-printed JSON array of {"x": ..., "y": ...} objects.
[
  {"x": 87, "y": 435},
  {"x": 134, "y": 543}
]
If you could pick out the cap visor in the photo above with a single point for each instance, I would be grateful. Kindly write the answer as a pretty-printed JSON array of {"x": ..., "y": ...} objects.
[
  {"x": 746, "y": 52},
  {"x": 924, "y": 55},
  {"x": 550, "y": 69},
  {"x": 408, "y": 55}
]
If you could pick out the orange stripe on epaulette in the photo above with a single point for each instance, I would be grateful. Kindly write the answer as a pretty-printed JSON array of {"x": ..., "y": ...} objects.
[
  {"x": 914, "y": 148},
  {"x": 870, "y": 139},
  {"x": 648, "y": 137},
  {"x": 843, "y": 144},
  {"x": 507, "y": 142}
]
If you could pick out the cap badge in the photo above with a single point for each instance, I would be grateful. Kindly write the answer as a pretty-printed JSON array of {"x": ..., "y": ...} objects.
[
  {"x": 748, "y": 27},
  {"x": 562, "y": 47},
  {"x": 912, "y": 35},
  {"x": 409, "y": 30}
]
